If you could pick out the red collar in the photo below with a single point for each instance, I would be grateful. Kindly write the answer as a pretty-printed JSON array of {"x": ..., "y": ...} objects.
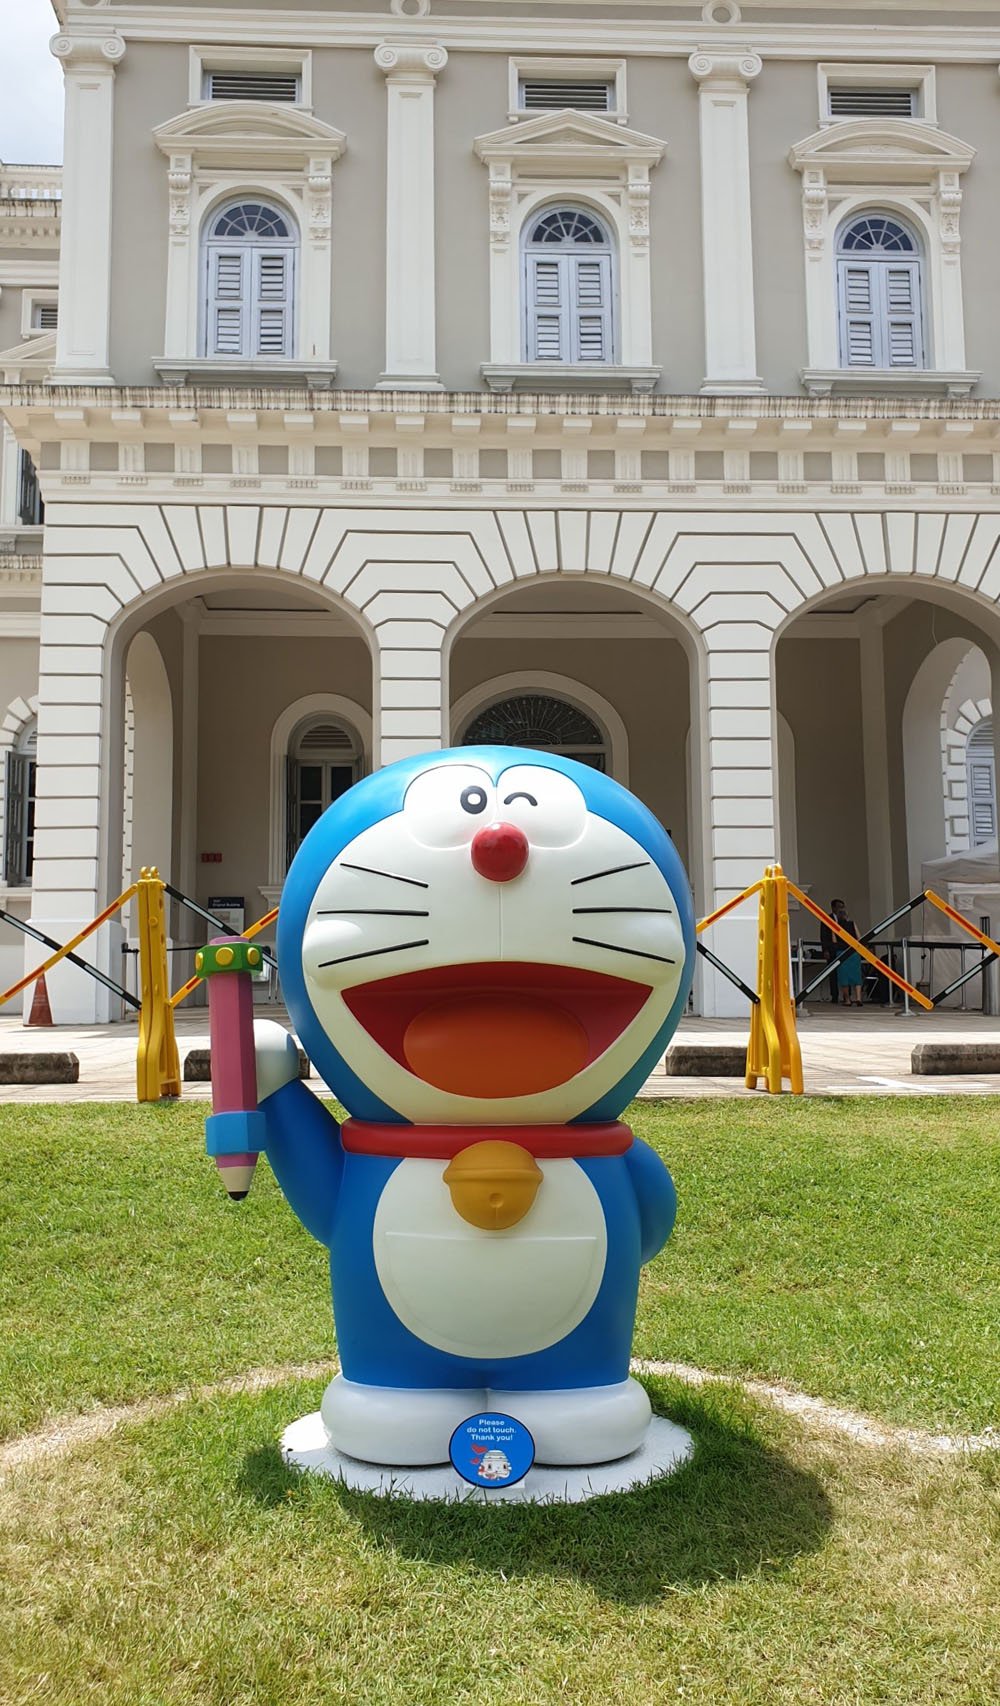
[{"x": 443, "y": 1142}]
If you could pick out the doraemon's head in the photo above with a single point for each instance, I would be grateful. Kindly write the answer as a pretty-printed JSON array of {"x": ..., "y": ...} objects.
[{"x": 486, "y": 936}]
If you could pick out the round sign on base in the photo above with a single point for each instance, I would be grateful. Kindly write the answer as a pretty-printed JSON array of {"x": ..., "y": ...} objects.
[{"x": 491, "y": 1450}]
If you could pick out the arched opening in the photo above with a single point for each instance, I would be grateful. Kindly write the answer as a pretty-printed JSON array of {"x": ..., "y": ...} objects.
[
  {"x": 19, "y": 806},
  {"x": 325, "y": 758},
  {"x": 981, "y": 774},
  {"x": 248, "y": 311},
  {"x": 569, "y": 287},
  {"x": 241, "y": 694},
  {"x": 592, "y": 669},
  {"x": 863, "y": 677}
]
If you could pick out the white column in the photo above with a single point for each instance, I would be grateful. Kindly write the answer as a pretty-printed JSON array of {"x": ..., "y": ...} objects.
[
  {"x": 410, "y": 346},
  {"x": 738, "y": 792},
  {"x": 83, "y": 338},
  {"x": 878, "y": 820},
  {"x": 409, "y": 692},
  {"x": 9, "y": 467},
  {"x": 730, "y": 338}
]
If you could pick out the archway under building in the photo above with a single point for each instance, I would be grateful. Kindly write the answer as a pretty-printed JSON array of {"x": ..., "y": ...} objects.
[
  {"x": 598, "y": 671},
  {"x": 880, "y": 684}
]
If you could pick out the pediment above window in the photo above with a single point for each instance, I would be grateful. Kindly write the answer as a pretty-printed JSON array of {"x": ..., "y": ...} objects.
[
  {"x": 896, "y": 151},
  {"x": 249, "y": 132},
  {"x": 32, "y": 359},
  {"x": 569, "y": 141}
]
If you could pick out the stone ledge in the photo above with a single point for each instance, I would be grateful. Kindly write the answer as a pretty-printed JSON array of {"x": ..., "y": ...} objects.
[
  {"x": 706, "y": 1060},
  {"x": 39, "y": 1068},
  {"x": 930, "y": 1060},
  {"x": 198, "y": 1066}
]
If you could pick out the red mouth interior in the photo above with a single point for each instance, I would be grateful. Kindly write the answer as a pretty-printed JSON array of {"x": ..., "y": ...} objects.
[{"x": 492, "y": 1030}]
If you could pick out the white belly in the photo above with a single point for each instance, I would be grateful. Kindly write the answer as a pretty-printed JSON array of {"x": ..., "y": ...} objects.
[{"x": 474, "y": 1293}]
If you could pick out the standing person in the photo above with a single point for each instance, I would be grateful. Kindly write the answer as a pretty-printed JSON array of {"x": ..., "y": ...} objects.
[
  {"x": 829, "y": 945},
  {"x": 849, "y": 971}
]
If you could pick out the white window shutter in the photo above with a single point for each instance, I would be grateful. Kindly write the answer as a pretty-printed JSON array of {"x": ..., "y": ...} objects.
[
  {"x": 592, "y": 305},
  {"x": 272, "y": 302},
  {"x": 227, "y": 301},
  {"x": 902, "y": 296},
  {"x": 858, "y": 294},
  {"x": 548, "y": 308}
]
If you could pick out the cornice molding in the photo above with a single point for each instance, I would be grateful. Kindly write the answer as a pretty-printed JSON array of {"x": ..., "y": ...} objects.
[{"x": 493, "y": 33}]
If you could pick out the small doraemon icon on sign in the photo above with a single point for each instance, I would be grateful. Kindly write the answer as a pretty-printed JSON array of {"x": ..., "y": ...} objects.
[{"x": 492, "y": 1450}]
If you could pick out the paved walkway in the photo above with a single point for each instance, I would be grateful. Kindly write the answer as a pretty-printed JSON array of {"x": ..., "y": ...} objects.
[{"x": 843, "y": 1053}]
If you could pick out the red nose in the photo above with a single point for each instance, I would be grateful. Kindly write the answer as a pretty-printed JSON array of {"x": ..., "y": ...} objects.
[{"x": 500, "y": 852}]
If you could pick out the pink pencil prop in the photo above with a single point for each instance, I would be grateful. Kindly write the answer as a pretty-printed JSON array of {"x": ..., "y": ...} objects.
[{"x": 235, "y": 1129}]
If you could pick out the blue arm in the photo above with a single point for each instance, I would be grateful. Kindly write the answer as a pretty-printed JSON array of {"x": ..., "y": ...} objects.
[
  {"x": 303, "y": 1147},
  {"x": 655, "y": 1195}
]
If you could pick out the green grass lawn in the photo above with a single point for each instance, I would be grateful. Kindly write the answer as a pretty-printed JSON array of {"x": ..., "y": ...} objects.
[{"x": 848, "y": 1247}]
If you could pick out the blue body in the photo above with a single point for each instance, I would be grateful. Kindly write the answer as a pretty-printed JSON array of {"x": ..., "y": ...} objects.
[{"x": 335, "y": 1194}]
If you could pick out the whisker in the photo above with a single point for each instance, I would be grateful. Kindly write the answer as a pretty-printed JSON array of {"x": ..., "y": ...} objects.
[
  {"x": 367, "y": 912},
  {"x": 643, "y": 909},
  {"x": 373, "y": 953},
  {"x": 639, "y": 865},
  {"x": 393, "y": 876},
  {"x": 637, "y": 953}
]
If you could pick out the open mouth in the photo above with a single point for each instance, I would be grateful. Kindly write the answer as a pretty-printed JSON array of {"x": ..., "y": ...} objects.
[{"x": 496, "y": 1029}]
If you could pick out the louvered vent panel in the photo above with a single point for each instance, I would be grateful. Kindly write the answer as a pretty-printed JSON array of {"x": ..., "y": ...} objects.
[
  {"x": 272, "y": 331},
  {"x": 873, "y": 103},
  {"x": 548, "y": 341},
  {"x": 983, "y": 825},
  {"x": 547, "y": 293},
  {"x": 858, "y": 289},
  {"x": 46, "y": 316},
  {"x": 252, "y": 86},
  {"x": 592, "y": 97},
  {"x": 590, "y": 284},
  {"x": 228, "y": 331},
  {"x": 860, "y": 343},
  {"x": 273, "y": 274},
  {"x": 592, "y": 341},
  {"x": 229, "y": 275},
  {"x": 902, "y": 344},
  {"x": 326, "y": 737}
]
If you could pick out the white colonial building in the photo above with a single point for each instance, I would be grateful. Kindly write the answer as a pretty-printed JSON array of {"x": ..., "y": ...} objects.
[{"x": 619, "y": 378}]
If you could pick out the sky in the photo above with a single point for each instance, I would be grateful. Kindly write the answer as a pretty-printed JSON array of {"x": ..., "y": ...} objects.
[{"x": 30, "y": 85}]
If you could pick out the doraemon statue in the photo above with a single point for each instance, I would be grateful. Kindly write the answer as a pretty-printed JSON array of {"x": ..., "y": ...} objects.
[{"x": 484, "y": 952}]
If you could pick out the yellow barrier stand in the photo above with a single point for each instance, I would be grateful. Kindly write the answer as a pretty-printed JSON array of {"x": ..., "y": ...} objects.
[
  {"x": 773, "y": 1052},
  {"x": 158, "y": 1067}
]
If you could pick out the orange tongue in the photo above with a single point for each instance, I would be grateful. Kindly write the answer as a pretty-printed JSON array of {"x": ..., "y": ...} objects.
[{"x": 495, "y": 1045}]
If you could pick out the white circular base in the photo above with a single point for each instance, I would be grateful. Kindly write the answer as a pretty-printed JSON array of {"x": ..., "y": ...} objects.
[{"x": 305, "y": 1445}]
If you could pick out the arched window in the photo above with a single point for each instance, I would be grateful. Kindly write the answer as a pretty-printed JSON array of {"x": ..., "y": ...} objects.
[
  {"x": 325, "y": 758},
  {"x": 880, "y": 287},
  {"x": 980, "y": 765},
  {"x": 19, "y": 807},
  {"x": 538, "y": 720},
  {"x": 568, "y": 288},
  {"x": 250, "y": 282}
]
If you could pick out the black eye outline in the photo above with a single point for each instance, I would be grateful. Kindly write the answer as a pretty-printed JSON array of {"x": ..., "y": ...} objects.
[
  {"x": 474, "y": 788},
  {"x": 509, "y": 801}
]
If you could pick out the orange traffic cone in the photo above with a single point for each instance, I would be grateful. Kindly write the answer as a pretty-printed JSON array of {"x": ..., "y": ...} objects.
[{"x": 41, "y": 1012}]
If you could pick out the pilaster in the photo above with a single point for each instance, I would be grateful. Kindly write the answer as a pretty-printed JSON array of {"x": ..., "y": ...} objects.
[
  {"x": 83, "y": 338},
  {"x": 724, "y": 78},
  {"x": 410, "y": 305}
]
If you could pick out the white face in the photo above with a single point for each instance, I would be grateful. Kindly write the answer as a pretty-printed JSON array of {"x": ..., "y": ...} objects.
[{"x": 460, "y": 992}]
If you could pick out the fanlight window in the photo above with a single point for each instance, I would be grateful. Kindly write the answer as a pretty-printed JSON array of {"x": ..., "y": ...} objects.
[
  {"x": 325, "y": 758},
  {"x": 568, "y": 288},
  {"x": 250, "y": 281},
  {"x": 543, "y": 722},
  {"x": 982, "y": 782},
  {"x": 880, "y": 283}
]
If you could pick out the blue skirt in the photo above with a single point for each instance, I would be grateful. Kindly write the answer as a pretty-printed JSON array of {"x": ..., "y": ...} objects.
[{"x": 849, "y": 974}]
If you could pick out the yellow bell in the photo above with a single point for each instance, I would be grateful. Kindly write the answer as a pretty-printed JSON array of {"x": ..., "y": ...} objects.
[{"x": 493, "y": 1184}]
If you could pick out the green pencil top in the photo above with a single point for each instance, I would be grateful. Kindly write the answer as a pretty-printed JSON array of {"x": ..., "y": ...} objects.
[{"x": 236, "y": 955}]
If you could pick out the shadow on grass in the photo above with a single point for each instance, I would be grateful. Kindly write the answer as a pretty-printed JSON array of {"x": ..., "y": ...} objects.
[{"x": 740, "y": 1507}]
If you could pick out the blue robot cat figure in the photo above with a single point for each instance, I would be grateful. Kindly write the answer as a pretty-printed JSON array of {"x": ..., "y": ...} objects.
[{"x": 484, "y": 952}]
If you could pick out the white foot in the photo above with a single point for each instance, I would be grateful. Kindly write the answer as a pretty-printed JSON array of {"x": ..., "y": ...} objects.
[
  {"x": 395, "y": 1425},
  {"x": 587, "y": 1424}
]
